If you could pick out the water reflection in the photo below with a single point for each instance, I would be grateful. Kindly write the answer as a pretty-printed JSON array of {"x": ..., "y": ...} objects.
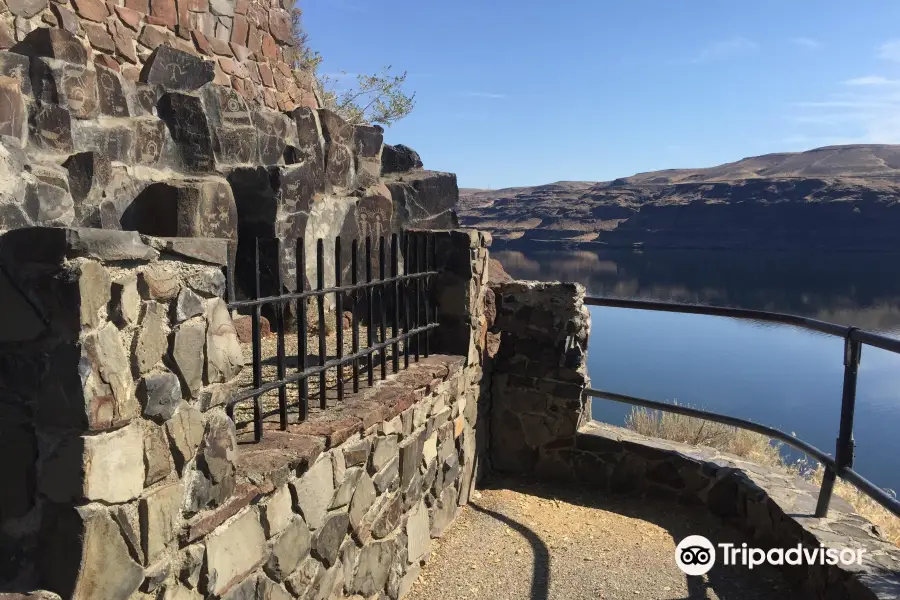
[
  {"x": 781, "y": 376},
  {"x": 854, "y": 289}
]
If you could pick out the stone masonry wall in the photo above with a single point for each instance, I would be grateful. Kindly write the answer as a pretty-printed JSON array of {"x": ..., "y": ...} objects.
[
  {"x": 168, "y": 146},
  {"x": 126, "y": 479},
  {"x": 538, "y": 374},
  {"x": 113, "y": 351},
  {"x": 249, "y": 45},
  {"x": 540, "y": 425}
]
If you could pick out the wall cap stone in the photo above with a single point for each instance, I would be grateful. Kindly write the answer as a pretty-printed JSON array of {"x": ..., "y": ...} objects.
[{"x": 52, "y": 245}]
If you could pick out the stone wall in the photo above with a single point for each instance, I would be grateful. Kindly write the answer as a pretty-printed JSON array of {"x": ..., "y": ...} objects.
[
  {"x": 540, "y": 425},
  {"x": 170, "y": 146},
  {"x": 125, "y": 477},
  {"x": 248, "y": 45},
  {"x": 538, "y": 374},
  {"x": 774, "y": 507}
]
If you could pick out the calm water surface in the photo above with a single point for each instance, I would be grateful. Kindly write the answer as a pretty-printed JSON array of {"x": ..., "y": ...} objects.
[{"x": 777, "y": 375}]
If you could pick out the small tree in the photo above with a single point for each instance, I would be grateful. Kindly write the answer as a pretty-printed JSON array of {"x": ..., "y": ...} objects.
[{"x": 375, "y": 98}]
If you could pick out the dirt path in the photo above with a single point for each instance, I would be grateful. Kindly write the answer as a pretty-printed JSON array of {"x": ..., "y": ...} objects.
[{"x": 515, "y": 543}]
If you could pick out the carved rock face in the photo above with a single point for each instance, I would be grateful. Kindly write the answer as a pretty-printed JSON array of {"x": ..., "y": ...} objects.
[
  {"x": 177, "y": 70},
  {"x": 58, "y": 44},
  {"x": 185, "y": 208},
  {"x": 51, "y": 128},
  {"x": 188, "y": 127},
  {"x": 13, "y": 115},
  {"x": 112, "y": 98}
]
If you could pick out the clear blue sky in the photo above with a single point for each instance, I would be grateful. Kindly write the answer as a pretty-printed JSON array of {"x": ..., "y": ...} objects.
[{"x": 525, "y": 92}]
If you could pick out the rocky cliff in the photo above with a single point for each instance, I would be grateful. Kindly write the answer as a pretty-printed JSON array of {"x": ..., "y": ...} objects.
[
  {"x": 839, "y": 197},
  {"x": 187, "y": 118}
]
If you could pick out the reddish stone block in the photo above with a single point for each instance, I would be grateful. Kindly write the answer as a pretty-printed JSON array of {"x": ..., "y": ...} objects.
[
  {"x": 141, "y": 6},
  {"x": 107, "y": 61},
  {"x": 280, "y": 25},
  {"x": 270, "y": 99},
  {"x": 203, "y": 524},
  {"x": 254, "y": 39},
  {"x": 165, "y": 11},
  {"x": 241, "y": 7},
  {"x": 129, "y": 17},
  {"x": 124, "y": 41},
  {"x": 243, "y": 325},
  {"x": 93, "y": 10},
  {"x": 240, "y": 28},
  {"x": 265, "y": 73},
  {"x": 269, "y": 47},
  {"x": 99, "y": 37}
]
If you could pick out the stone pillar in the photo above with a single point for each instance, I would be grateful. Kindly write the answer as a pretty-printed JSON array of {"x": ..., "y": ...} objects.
[
  {"x": 114, "y": 351},
  {"x": 464, "y": 309},
  {"x": 539, "y": 374}
]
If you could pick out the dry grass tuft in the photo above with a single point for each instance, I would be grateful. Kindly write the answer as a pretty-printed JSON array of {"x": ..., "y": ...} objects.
[{"x": 757, "y": 448}]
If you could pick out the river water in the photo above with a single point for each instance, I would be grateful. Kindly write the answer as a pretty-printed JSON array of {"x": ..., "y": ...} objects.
[{"x": 777, "y": 375}]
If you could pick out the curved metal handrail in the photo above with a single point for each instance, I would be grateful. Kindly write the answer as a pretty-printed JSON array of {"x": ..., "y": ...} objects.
[{"x": 840, "y": 465}]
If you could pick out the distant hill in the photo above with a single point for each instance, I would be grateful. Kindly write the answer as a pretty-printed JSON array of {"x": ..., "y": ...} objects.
[{"x": 837, "y": 197}]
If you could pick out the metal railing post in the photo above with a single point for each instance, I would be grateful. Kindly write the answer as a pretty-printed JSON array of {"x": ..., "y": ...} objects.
[{"x": 843, "y": 457}]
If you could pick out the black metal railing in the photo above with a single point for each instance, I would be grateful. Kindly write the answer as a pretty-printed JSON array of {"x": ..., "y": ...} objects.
[
  {"x": 369, "y": 302},
  {"x": 838, "y": 466}
]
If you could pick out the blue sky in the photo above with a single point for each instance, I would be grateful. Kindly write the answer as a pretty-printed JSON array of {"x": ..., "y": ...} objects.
[{"x": 524, "y": 92}]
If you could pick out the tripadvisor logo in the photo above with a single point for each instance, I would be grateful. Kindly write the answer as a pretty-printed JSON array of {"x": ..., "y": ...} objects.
[{"x": 696, "y": 555}]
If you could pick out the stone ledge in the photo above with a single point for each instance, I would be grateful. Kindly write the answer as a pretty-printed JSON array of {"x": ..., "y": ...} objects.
[
  {"x": 268, "y": 463},
  {"x": 774, "y": 506},
  {"x": 54, "y": 245}
]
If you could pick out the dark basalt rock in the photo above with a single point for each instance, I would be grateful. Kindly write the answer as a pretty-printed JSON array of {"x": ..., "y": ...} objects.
[
  {"x": 338, "y": 165},
  {"x": 112, "y": 97},
  {"x": 236, "y": 145},
  {"x": 147, "y": 95},
  {"x": 116, "y": 141},
  {"x": 185, "y": 208},
  {"x": 48, "y": 204},
  {"x": 150, "y": 139},
  {"x": 71, "y": 86},
  {"x": 399, "y": 159},
  {"x": 51, "y": 128},
  {"x": 53, "y": 43},
  {"x": 18, "y": 67},
  {"x": 177, "y": 70},
  {"x": 367, "y": 140},
  {"x": 225, "y": 106},
  {"x": 273, "y": 131},
  {"x": 12, "y": 217},
  {"x": 87, "y": 171},
  {"x": 13, "y": 114},
  {"x": 424, "y": 194},
  {"x": 186, "y": 120}
]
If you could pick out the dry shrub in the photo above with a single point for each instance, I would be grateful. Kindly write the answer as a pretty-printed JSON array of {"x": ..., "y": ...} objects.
[{"x": 759, "y": 449}]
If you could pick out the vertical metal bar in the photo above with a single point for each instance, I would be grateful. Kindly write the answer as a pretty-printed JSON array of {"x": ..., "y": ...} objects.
[
  {"x": 381, "y": 295},
  {"x": 370, "y": 317},
  {"x": 354, "y": 251},
  {"x": 395, "y": 265},
  {"x": 433, "y": 278},
  {"x": 279, "y": 350},
  {"x": 339, "y": 318},
  {"x": 843, "y": 456},
  {"x": 257, "y": 348},
  {"x": 418, "y": 268},
  {"x": 406, "y": 325},
  {"x": 426, "y": 284},
  {"x": 320, "y": 280},
  {"x": 302, "y": 349}
]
